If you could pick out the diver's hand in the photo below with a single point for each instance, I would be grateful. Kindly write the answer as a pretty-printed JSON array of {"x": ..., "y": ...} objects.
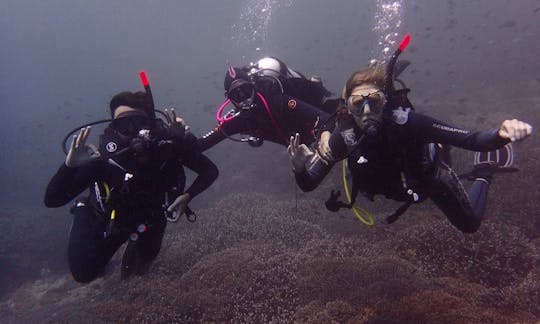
[
  {"x": 299, "y": 154},
  {"x": 178, "y": 125},
  {"x": 79, "y": 153},
  {"x": 180, "y": 204},
  {"x": 324, "y": 149},
  {"x": 514, "y": 130}
]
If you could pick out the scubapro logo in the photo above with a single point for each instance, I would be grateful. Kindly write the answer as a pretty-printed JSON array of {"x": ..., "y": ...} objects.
[
  {"x": 349, "y": 137},
  {"x": 111, "y": 147},
  {"x": 449, "y": 129}
]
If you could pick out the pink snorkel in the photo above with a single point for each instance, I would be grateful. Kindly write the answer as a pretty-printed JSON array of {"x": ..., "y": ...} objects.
[
  {"x": 221, "y": 120},
  {"x": 225, "y": 119}
]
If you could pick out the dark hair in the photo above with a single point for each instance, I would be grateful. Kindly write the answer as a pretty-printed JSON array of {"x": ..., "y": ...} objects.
[{"x": 136, "y": 100}]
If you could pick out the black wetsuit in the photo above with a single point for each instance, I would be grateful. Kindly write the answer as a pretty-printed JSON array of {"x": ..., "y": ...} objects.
[
  {"x": 136, "y": 195},
  {"x": 400, "y": 160},
  {"x": 287, "y": 116}
]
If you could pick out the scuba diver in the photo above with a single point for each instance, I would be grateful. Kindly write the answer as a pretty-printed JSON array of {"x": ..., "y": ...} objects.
[
  {"x": 271, "y": 102},
  {"x": 130, "y": 177},
  {"x": 393, "y": 151}
]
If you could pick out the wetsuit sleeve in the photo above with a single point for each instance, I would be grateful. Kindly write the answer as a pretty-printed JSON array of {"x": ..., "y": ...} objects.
[
  {"x": 428, "y": 129},
  {"x": 67, "y": 183},
  {"x": 220, "y": 132},
  {"x": 312, "y": 177},
  {"x": 206, "y": 170}
]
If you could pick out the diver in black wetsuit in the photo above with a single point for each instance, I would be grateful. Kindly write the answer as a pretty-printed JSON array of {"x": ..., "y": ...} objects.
[
  {"x": 394, "y": 151},
  {"x": 272, "y": 102},
  {"x": 140, "y": 160}
]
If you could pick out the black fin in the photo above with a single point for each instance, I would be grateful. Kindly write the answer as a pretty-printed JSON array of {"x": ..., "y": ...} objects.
[
  {"x": 488, "y": 163},
  {"x": 503, "y": 157},
  {"x": 394, "y": 217},
  {"x": 332, "y": 203}
]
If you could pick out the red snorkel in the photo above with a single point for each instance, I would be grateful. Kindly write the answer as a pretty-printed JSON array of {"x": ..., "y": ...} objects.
[
  {"x": 389, "y": 86},
  {"x": 146, "y": 85}
]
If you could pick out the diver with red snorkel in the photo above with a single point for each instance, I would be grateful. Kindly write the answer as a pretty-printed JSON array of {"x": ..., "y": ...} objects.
[
  {"x": 393, "y": 151},
  {"x": 135, "y": 180},
  {"x": 270, "y": 102}
]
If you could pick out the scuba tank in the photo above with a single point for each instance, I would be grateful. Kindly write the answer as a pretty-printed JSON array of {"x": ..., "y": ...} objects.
[{"x": 273, "y": 76}]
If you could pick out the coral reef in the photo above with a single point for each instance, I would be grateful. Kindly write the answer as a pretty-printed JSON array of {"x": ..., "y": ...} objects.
[{"x": 265, "y": 261}]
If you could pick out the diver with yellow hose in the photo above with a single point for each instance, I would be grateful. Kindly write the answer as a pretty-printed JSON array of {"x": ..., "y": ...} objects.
[
  {"x": 363, "y": 215},
  {"x": 393, "y": 151}
]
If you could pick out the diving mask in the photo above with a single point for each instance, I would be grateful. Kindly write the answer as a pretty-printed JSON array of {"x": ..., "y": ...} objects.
[
  {"x": 242, "y": 94},
  {"x": 129, "y": 124},
  {"x": 373, "y": 102},
  {"x": 130, "y": 131}
]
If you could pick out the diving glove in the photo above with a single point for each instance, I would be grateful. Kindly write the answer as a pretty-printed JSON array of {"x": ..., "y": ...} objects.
[{"x": 178, "y": 126}]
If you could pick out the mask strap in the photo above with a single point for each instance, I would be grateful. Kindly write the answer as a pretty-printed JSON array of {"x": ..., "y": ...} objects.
[{"x": 130, "y": 113}]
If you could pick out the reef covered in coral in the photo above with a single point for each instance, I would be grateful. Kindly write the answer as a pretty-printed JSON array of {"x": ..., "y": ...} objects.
[{"x": 269, "y": 261}]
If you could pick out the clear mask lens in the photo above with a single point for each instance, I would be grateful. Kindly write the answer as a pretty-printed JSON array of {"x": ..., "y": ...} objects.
[
  {"x": 376, "y": 101},
  {"x": 241, "y": 92}
]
